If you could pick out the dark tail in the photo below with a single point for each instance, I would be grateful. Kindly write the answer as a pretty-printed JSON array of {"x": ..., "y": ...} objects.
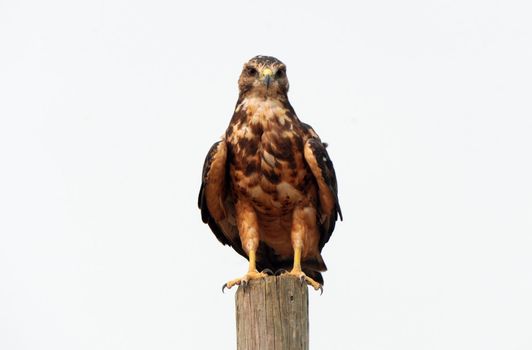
[{"x": 312, "y": 267}]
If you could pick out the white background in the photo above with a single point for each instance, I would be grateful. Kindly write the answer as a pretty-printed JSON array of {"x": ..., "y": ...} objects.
[{"x": 107, "y": 110}]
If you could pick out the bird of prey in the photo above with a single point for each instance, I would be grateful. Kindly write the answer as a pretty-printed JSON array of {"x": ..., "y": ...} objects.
[{"x": 269, "y": 187}]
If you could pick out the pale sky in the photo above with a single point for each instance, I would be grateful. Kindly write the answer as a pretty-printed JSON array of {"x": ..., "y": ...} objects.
[{"x": 107, "y": 109}]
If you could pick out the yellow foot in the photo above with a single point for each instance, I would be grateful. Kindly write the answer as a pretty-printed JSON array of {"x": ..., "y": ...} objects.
[
  {"x": 243, "y": 281},
  {"x": 305, "y": 279}
]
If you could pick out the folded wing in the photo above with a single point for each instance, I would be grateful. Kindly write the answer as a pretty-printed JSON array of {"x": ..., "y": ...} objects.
[
  {"x": 215, "y": 200},
  {"x": 322, "y": 168}
]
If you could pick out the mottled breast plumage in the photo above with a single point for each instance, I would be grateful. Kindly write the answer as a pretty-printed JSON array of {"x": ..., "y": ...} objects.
[{"x": 267, "y": 141}]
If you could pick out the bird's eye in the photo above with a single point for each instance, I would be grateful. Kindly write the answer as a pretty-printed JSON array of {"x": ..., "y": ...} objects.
[
  {"x": 251, "y": 71},
  {"x": 280, "y": 73}
]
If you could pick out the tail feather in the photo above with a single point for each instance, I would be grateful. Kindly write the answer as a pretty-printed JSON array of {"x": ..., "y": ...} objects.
[
  {"x": 313, "y": 268},
  {"x": 267, "y": 259},
  {"x": 315, "y": 275}
]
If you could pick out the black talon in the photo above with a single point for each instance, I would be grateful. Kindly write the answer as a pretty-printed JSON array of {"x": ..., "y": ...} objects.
[
  {"x": 302, "y": 280},
  {"x": 280, "y": 272},
  {"x": 268, "y": 272},
  {"x": 321, "y": 290},
  {"x": 223, "y": 287},
  {"x": 244, "y": 283}
]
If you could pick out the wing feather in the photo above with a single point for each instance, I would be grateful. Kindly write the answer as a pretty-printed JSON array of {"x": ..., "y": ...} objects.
[
  {"x": 215, "y": 200},
  {"x": 322, "y": 168}
]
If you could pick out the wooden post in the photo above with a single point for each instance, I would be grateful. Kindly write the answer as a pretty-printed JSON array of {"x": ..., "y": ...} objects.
[{"x": 272, "y": 314}]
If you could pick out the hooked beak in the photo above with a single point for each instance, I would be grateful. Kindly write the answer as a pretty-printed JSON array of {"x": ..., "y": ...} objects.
[{"x": 267, "y": 77}]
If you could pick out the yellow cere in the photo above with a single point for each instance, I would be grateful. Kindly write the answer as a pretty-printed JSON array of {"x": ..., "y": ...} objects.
[{"x": 267, "y": 71}]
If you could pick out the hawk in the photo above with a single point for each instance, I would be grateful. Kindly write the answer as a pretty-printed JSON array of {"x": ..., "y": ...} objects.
[{"x": 269, "y": 188}]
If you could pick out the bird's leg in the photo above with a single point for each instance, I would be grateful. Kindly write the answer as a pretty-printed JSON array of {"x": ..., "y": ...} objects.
[
  {"x": 252, "y": 273},
  {"x": 302, "y": 221},
  {"x": 248, "y": 229},
  {"x": 298, "y": 272}
]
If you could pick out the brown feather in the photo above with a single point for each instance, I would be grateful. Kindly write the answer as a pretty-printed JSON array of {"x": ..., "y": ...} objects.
[{"x": 272, "y": 173}]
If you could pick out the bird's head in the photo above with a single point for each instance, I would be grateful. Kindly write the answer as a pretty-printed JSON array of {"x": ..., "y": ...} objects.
[{"x": 263, "y": 76}]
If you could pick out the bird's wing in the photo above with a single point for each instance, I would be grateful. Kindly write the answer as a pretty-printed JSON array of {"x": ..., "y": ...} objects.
[
  {"x": 215, "y": 200},
  {"x": 322, "y": 168}
]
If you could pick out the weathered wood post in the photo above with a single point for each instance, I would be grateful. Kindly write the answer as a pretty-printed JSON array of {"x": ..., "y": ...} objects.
[{"x": 272, "y": 314}]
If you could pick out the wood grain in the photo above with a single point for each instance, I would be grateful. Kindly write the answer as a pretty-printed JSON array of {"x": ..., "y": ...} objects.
[{"x": 272, "y": 314}]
